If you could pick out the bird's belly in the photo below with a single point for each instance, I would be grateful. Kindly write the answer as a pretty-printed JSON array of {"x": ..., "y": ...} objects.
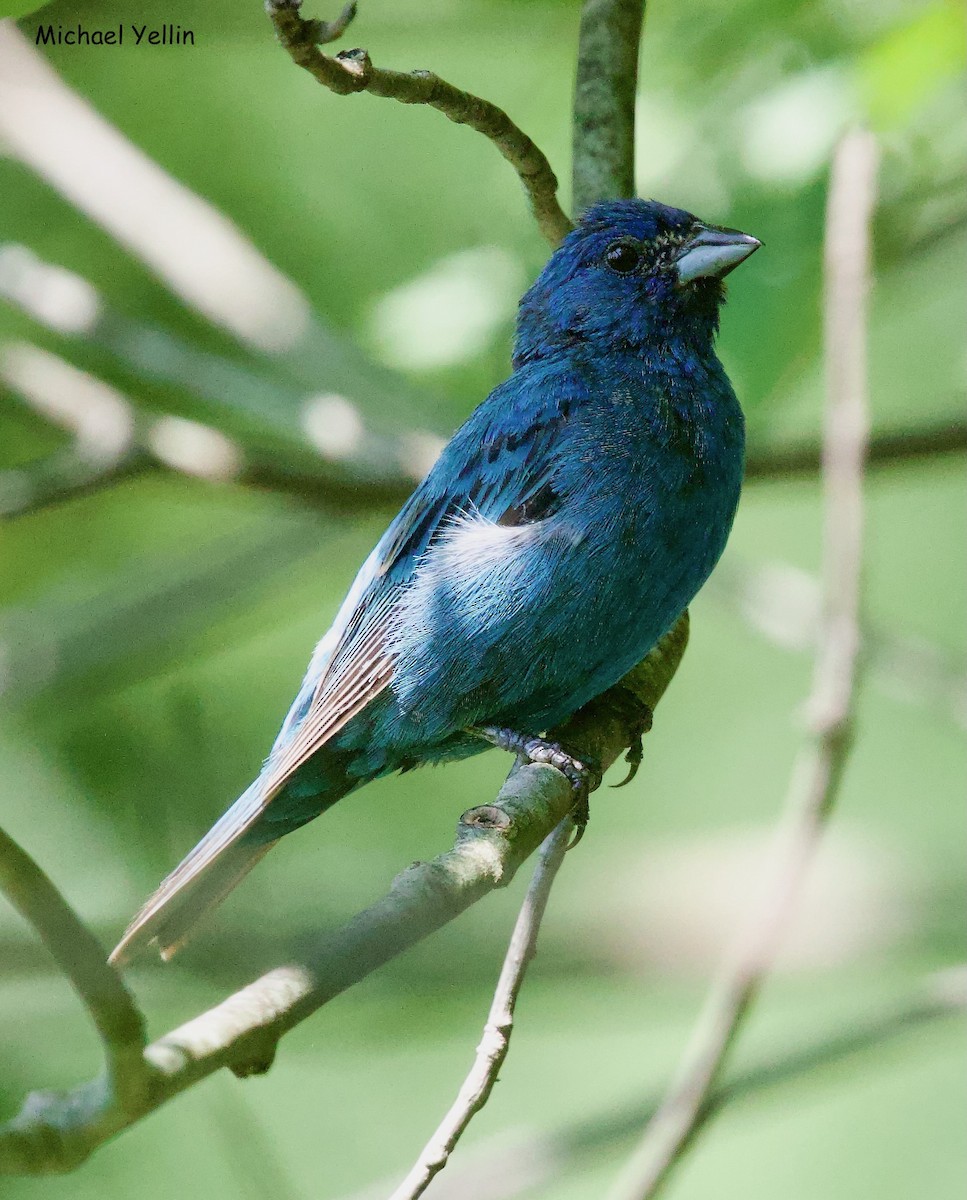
[{"x": 522, "y": 626}]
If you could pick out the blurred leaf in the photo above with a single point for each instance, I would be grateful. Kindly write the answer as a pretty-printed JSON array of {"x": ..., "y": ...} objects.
[
  {"x": 89, "y": 636},
  {"x": 902, "y": 70}
]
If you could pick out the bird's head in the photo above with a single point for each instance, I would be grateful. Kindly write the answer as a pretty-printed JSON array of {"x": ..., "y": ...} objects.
[{"x": 632, "y": 273}]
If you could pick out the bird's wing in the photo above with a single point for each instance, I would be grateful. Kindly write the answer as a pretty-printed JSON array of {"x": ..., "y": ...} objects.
[
  {"x": 349, "y": 669},
  {"x": 505, "y": 477},
  {"x": 498, "y": 468}
]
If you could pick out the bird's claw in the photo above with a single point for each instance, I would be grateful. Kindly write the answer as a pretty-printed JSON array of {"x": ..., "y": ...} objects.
[
  {"x": 584, "y": 776},
  {"x": 633, "y": 759},
  {"x": 636, "y": 752},
  {"x": 578, "y": 834},
  {"x": 639, "y": 724}
]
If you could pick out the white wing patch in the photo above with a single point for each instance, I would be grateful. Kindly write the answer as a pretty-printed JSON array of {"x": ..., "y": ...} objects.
[
  {"x": 472, "y": 546},
  {"x": 473, "y": 560}
]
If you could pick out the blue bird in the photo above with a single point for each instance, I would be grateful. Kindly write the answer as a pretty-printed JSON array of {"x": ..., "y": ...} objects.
[{"x": 559, "y": 535}]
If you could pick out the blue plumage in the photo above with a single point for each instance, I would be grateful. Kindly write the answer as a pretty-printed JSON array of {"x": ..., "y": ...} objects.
[{"x": 562, "y": 531}]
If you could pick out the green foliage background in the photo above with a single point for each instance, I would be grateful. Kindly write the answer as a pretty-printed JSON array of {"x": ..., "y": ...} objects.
[
  {"x": 17, "y": 8},
  {"x": 153, "y": 633}
]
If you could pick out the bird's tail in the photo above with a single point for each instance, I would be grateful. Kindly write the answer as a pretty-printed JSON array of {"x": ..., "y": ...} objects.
[{"x": 202, "y": 880}]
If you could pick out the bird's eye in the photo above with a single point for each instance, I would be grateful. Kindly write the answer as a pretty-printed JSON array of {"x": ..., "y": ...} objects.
[{"x": 623, "y": 257}]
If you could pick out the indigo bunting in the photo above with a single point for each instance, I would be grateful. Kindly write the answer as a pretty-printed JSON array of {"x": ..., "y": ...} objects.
[{"x": 560, "y": 534}]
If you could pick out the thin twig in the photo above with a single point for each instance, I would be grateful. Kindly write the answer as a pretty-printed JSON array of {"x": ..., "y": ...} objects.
[
  {"x": 495, "y": 1043},
  {"x": 604, "y": 101},
  {"x": 783, "y": 604},
  {"x": 57, "y": 1132},
  {"x": 368, "y": 468},
  {"x": 51, "y": 483},
  {"x": 82, "y": 959},
  {"x": 819, "y": 768},
  {"x": 60, "y": 477},
  {"x": 352, "y": 71},
  {"x": 525, "y": 1161},
  {"x": 886, "y": 449}
]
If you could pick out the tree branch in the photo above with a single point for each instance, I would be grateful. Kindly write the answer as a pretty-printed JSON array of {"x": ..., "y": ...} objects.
[
  {"x": 604, "y": 102},
  {"x": 508, "y": 1165},
  {"x": 63, "y": 476},
  {"x": 34, "y": 489},
  {"x": 82, "y": 959},
  {"x": 57, "y": 1132},
  {"x": 818, "y": 770},
  {"x": 352, "y": 71},
  {"x": 368, "y": 468},
  {"x": 885, "y": 449},
  {"x": 115, "y": 439},
  {"x": 495, "y": 1042}
]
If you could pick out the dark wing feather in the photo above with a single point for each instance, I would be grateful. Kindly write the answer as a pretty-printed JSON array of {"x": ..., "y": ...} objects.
[
  {"x": 506, "y": 476},
  {"x": 355, "y": 672},
  {"x": 498, "y": 465}
]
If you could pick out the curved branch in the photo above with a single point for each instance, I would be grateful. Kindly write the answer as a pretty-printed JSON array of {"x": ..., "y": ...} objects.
[
  {"x": 66, "y": 475},
  {"x": 57, "y": 1132},
  {"x": 82, "y": 959},
  {"x": 495, "y": 1042},
  {"x": 506, "y": 1166},
  {"x": 352, "y": 71},
  {"x": 886, "y": 449}
]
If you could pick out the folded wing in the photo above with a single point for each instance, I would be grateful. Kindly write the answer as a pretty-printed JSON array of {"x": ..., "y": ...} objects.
[{"x": 507, "y": 477}]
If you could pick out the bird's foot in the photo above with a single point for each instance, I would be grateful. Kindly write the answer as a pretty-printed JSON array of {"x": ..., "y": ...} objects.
[
  {"x": 583, "y": 776},
  {"x": 639, "y": 718}
]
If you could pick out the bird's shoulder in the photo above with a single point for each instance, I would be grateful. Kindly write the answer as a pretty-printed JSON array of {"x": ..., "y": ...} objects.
[{"x": 498, "y": 463}]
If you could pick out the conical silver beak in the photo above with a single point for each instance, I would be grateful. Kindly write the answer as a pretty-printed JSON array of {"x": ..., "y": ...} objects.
[{"x": 714, "y": 251}]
